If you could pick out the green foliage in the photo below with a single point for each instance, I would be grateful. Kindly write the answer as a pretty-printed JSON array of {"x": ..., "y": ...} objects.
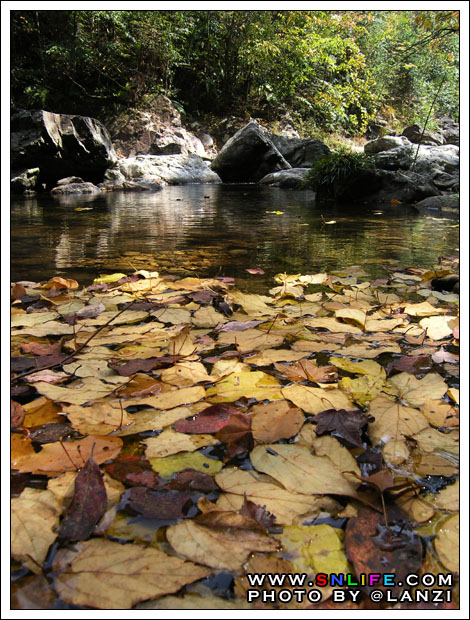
[
  {"x": 336, "y": 170},
  {"x": 331, "y": 69}
]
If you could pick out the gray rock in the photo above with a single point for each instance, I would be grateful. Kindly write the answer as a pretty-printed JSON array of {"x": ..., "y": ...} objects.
[
  {"x": 69, "y": 180},
  {"x": 300, "y": 153},
  {"x": 450, "y": 130},
  {"x": 415, "y": 134},
  {"x": 155, "y": 129},
  {"x": 449, "y": 204},
  {"x": 153, "y": 171},
  {"x": 286, "y": 179},
  {"x": 249, "y": 155},
  {"x": 24, "y": 181},
  {"x": 75, "y": 188},
  {"x": 385, "y": 143},
  {"x": 60, "y": 145}
]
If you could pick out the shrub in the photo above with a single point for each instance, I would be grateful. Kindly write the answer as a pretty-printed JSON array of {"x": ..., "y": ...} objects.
[{"x": 330, "y": 174}]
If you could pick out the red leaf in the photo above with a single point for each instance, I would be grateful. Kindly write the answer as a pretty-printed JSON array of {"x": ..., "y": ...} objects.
[
  {"x": 37, "y": 348},
  {"x": 133, "y": 471},
  {"x": 88, "y": 504},
  {"x": 211, "y": 420},
  {"x": 255, "y": 271}
]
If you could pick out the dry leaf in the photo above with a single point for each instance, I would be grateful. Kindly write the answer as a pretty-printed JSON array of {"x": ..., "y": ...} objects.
[
  {"x": 107, "y": 575},
  {"x": 171, "y": 442},
  {"x": 34, "y": 516}
]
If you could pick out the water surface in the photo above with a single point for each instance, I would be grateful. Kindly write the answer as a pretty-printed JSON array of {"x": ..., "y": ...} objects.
[{"x": 211, "y": 230}]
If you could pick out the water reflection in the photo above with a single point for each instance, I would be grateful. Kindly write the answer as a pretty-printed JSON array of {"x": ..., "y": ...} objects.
[{"x": 215, "y": 229}]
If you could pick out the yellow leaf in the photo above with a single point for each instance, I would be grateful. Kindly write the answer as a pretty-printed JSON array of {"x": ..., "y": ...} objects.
[
  {"x": 393, "y": 421},
  {"x": 170, "y": 442},
  {"x": 168, "y": 465},
  {"x": 351, "y": 315},
  {"x": 286, "y": 506},
  {"x": 223, "y": 549},
  {"x": 254, "y": 384},
  {"x": 299, "y": 471},
  {"x": 314, "y": 400},
  {"x": 34, "y": 516},
  {"x": 113, "y": 277},
  {"x": 447, "y": 542},
  {"x": 107, "y": 575},
  {"x": 363, "y": 367},
  {"x": 416, "y": 392}
]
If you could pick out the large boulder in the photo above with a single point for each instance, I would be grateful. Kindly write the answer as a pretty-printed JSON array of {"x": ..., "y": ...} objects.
[
  {"x": 154, "y": 129},
  {"x": 286, "y": 179},
  {"x": 300, "y": 153},
  {"x": 385, "y": 143},
  {"x": 60, "y": 145},
  {"x": 418, "y": 135},
  {"x": 153, "y": 171},
  {"x": 450, "y": 129},
  {"x": 448, "y": 205},
  {"x": 74, "y": 186},
  {"x": 248, "y": 156},
  {"x": 25, "y": 181}
]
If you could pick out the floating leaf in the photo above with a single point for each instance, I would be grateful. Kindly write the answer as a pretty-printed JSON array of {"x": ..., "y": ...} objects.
[
  {"x": 107, "y": 575},
  {"x": 275, "y": 420},
  {"x": 34, "y": 516},
  {"x": 393, "y": 421},
  {"x": 254, "y": 384},
  {"x": 100, "y": 418},
  {"x": 166, "y": 466},
  {"x": 164, "y": 504},
  {"x": 285, "y": 505},
  {"x": 415, "y": 392},
  {"x": 219, "y": 548},
  {"x": 299, "y": 471},
  {"x": 58, "y": 457},
  {"x": 171, "y": 442},
  {"x": 314, "y": 400},
  {"x": 315, "y": 548},
  {"x": 347, "y": 424},
  {"x": 447, "y": 542},
  {"x": 88, "y": 504},
  {"x": 438, "y": 327},
  {"x": 251, "y": 340}
]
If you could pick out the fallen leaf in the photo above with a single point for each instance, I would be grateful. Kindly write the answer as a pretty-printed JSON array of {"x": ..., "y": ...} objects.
[
  {"x": 67, "y": 456},
  {"x": 314, "y": 400},
  {"x": 432, "y": 440},
  {"x": 347, "y": 424},
  {"x": 88, "y": 504},
  {"x": 100, "y": 418},
  {"x": 210, "y": 420},
  {"x": 362, "y": 367},
  {"x": 369, "y": 544},
  {"x": 150, "y": 504},
  {"x": 17, "y": 414},
  {"x": 170, "y": 400},
  {"x": 185, "y": 373},
  {"x": 255, "y": 271},
  {"x": 441, "y": 356},
  {"x": 448, "y": 498},
  {"x": 363, "y": 389},
  {"x": 315, "y": 548},
  {"x": 107, "y": 575},
  {"x": 393, "y": 421},
  {"x": 133, "y": 471},
  {"x": 269, "y": 356},
  {"x": 438, "y": 327},
  {"x": 168, "y": 465},
  {"x": 34, "y": 517},
  {"x": 307, "y": 370},
  {"x": 171, "y": 442},
  {"x": 415, "y": 392},
  {"x": 255, "y": 384},
  {"x": 218, "y": 548},
  {"x": 447, "y": 542},
  {"x": 285, "y": 505},
  {"x": 250, "y": 340},
  {"x": 275, "y": 420},
  {"x": 189, "y": 480},
  {"x": 299, "y": 471},
  {"x": 78, "y": 393}
]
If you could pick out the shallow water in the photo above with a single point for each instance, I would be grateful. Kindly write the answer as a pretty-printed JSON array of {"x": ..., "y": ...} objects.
[{"x": 211, "y": 230}]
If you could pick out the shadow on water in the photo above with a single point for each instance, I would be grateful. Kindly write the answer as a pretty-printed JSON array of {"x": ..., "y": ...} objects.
[{"x": 210, "y": 230}]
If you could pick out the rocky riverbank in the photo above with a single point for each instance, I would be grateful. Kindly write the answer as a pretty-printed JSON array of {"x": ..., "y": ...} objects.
[{"x": 143, "y": 150}]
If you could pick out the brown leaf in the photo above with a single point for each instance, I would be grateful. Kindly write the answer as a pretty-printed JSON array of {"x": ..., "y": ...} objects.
[
  {"x": 258, "y": 513},
  {"x": 210, "y": 420},
  {"x": 38, "y": 348},
  {"x": 133, "y": 471},
  {"x": 192, "y": 480},
  {"x": 275, "y": 420},
  {"x": 306, "y": 370},
  {"x": 88, "y": 504},
  {"x": 237, "y": 434},
  {"x": 141, "y": 365},
  {"x": 48, "y": 433},
  {"x": 17, "y": 414},
  {"x": 370, "y": 546},
  {"x": 59, "y": 457},
  {"x": 348, "y": 424},
  {"x": 164, "y": 505}
]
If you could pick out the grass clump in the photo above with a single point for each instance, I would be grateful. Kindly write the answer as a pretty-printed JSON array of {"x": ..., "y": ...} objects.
[{"x": 330, "y": 175}]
